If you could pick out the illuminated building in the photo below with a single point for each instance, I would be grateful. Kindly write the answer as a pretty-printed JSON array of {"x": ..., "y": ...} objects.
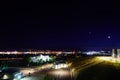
[{"x": 116, "y": 53}]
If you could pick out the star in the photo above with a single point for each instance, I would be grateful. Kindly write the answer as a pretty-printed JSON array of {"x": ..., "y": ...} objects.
[{"x": 89, "y": 33}]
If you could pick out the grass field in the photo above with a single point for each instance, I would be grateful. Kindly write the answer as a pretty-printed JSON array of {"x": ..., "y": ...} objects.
[
  {"x": 78, "y": 61},
  {"x": 103, "y": 70}
]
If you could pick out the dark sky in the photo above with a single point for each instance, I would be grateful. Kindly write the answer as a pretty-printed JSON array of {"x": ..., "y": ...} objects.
[{"x": 85, "y": 25}]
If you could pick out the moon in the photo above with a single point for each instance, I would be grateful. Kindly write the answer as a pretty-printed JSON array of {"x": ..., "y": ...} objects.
[{"x": 109, "y": 37}]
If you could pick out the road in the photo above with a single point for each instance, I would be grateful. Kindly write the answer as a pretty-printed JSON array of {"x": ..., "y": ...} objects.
[
  {"x": 63, "y": 74},
  {"x": 46, "y": 71},
  {"x": 60, "y": 74}
]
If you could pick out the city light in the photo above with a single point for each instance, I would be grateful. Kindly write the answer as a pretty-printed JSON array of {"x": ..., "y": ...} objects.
[
  {"x": 109, "y": 59},
  {"x": 43, "y": 58},
  {"x": 92, "y": 52},
  {"x": 59, "y": 66},
  {"x": 105, "y": 58}
]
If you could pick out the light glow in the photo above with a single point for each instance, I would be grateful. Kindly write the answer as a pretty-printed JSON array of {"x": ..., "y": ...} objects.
[
  {"x": 92, "y": 52},
  {"x": 109, "y": 59},
  {"x": 43, "y": 58},
  {"x": 59, "y": 66},
  {"x": 5, "y": 77}
]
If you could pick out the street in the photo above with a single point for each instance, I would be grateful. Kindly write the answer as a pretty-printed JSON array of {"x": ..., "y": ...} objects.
[
  {"x": 46, "y": 71},
  {"x": 60, "y": 74}
]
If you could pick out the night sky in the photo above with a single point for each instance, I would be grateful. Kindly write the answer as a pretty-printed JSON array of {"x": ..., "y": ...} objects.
[{"x": 85, "y": 25}]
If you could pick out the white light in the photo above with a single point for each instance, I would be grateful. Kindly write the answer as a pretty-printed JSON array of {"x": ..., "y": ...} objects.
[
  {"x": 109, "y": 37},
  {"x": 26, "y": 52},
  {"x": 59, "y": 66},
  {"x": 15, "y": 52},
  {"x": 5, "y": 76},
  {"x": 92, "y": 52},
  {"x": 106, "y": 58},
  {"x": 8, "y": 52},
  {"x": 41, "y": 57},
  {"x": 19, "y": 77},
  {"x": 56, "y": 66}
]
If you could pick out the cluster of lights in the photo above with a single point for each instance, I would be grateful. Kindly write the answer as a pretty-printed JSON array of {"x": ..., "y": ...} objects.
[
  {"x": 92, "y": 52},
  {"x": 12, "y": 52},
  {"x": 105, "y": 58},
  {"x": 44, "y": 58},
  {"x": 59, "y": 66},
  {"x": 109, "y": 59}
]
